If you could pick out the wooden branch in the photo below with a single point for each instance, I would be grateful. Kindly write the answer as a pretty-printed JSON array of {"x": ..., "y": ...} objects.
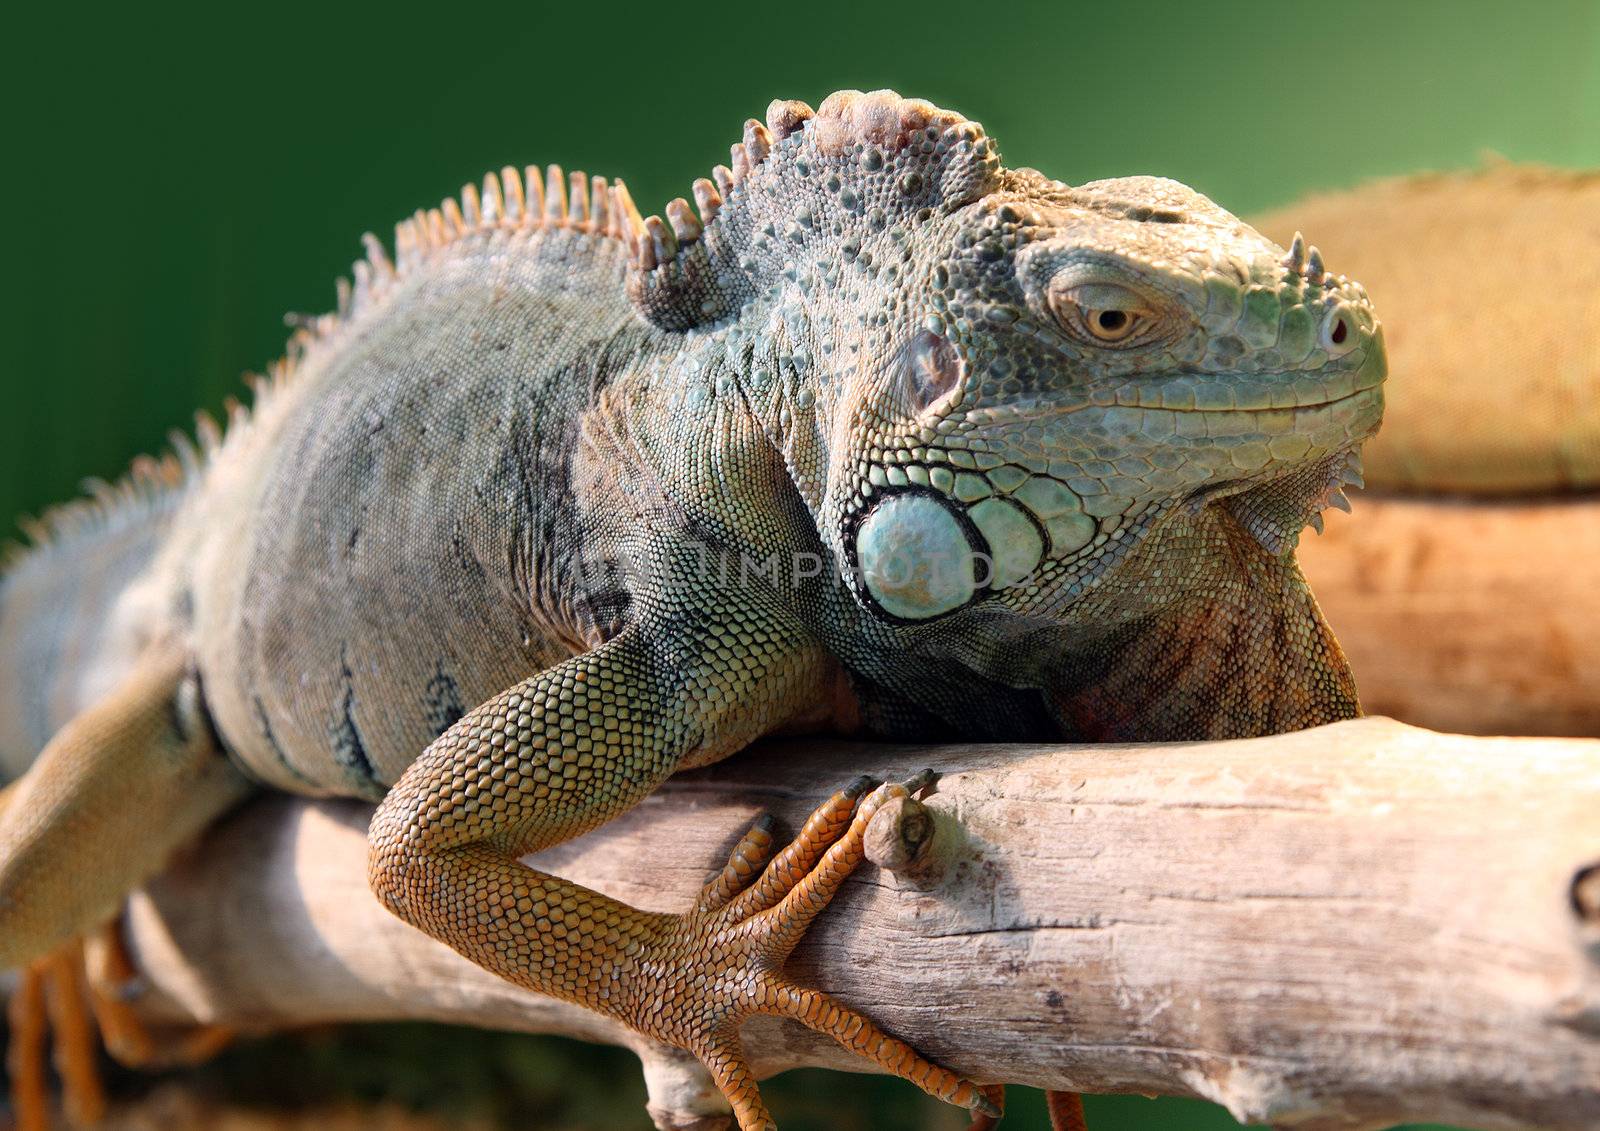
[
  {"x": 1351, "y": 927},
  {"x": 1468, "y": 616}
]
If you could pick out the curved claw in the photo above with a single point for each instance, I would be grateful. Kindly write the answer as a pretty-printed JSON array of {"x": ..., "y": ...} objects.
[
  {"x": 748, "y": 857},
  {"x": 859, "y": 787},
  {"x": 989, "y": 1120}
]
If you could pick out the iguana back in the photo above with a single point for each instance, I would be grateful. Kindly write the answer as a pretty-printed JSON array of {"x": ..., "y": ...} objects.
[
  {"x": 394, "y": 537},
  {"x": 406, "y": 465}
]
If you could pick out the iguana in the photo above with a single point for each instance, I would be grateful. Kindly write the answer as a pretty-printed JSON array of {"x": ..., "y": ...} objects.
[{"x": 881, "y": 437}]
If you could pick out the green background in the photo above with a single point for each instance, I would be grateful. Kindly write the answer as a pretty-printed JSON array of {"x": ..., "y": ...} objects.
[{"x": 178, "y": 177}]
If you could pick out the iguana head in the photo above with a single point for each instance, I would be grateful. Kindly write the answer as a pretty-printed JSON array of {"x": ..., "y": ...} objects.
[{"x": 993, "y": 387}]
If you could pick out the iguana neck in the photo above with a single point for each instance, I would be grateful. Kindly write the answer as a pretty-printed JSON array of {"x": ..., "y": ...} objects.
[
  {"x": 1200, "y": 634},
  {"x": 1231, "y": 645}
]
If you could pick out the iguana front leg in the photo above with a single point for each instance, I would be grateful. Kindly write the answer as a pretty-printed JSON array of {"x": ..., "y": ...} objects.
[{"x": 580, "y": 743}]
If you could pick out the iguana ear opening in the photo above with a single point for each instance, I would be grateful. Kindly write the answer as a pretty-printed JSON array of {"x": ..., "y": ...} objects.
[{"x": 803, "y": 181}]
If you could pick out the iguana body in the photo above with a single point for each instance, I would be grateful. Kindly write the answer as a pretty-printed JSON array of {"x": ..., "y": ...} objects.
[{"x": 890, "y": 438}]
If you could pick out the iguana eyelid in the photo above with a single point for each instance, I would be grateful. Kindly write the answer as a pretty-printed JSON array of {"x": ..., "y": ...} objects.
[
  {"x": 1105, "y": 296},
  {"x": 1078, "y": 305}
]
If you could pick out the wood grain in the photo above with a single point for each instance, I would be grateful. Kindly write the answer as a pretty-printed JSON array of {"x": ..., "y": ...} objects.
[{"x": 1476, "y": 617}]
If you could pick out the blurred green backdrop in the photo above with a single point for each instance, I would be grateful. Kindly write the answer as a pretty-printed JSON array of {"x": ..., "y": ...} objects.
[{"x": 182, "y": 175}]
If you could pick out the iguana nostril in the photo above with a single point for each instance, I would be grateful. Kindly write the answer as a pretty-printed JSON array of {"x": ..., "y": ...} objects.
[{"x": 1337, "y": 336}]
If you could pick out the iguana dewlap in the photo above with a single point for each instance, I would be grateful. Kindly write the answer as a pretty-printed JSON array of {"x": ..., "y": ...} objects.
[{"x": 885, "y": 436}]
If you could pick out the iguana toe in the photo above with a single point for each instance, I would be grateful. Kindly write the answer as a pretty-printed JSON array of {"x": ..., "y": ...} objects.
[
  {"x": 751, "y": 934},
  {"x": 50, "y": 1006}
]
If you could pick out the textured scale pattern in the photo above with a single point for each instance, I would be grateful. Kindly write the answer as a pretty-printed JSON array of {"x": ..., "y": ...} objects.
[{"x": 875, "y": 435}]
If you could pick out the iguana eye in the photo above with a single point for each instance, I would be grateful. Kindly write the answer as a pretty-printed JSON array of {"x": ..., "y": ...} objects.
[
  {"x": 1110, "y": 325},
  {"x": 1103, "y": 313}
]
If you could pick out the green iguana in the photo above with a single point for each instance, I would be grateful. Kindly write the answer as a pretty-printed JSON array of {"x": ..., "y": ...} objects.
[{"x": 886, "y": 438}]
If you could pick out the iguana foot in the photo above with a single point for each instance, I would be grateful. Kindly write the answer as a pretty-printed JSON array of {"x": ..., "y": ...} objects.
[
  {"x": 51, "y": 1001},
  {"x": 723, "y": 962},
  {"x": 1066, "y": 1110},
  {"x": 579, "y": 743},
  {"x": 65, "y": 999}
]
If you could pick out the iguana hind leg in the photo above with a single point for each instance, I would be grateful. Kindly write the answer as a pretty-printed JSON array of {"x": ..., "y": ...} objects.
[
  {"x": 62, "y": 1000},
  {"x": 105, "y": 804},
  {"x": 575, "y": 746},
  {"x": 98, "y": 812}
]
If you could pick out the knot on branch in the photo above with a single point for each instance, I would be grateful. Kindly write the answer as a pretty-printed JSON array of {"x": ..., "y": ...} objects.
[
  {"x": 901, "y": 837},
  {"x": 1586, "y": 895}
]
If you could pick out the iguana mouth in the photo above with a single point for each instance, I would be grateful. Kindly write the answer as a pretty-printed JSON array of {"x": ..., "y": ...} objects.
[{"x": 1199, "y": 393}]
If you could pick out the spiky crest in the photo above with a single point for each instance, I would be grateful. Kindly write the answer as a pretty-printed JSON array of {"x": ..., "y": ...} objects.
[
  {"x": 864, "y": 160},
  {"x": 150, "y": 487},
  {"x": 892, "y": 156},
  {"x": 508, "y": 200}
]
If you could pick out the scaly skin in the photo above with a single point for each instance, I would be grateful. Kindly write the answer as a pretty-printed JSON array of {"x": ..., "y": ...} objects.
[{"x": 887, "y": 438}]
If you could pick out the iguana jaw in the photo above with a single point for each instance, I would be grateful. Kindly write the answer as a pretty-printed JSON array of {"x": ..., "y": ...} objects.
[{"x": 1194, "y": 392}]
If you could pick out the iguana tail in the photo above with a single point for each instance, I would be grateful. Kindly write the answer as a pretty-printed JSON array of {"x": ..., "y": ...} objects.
[{"x": 101, "y": 716}]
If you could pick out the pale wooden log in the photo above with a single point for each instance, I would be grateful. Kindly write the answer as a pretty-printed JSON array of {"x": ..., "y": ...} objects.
[
  {"x": 1479, "y": 617},
  {"x": 1355, "y": 926}
]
